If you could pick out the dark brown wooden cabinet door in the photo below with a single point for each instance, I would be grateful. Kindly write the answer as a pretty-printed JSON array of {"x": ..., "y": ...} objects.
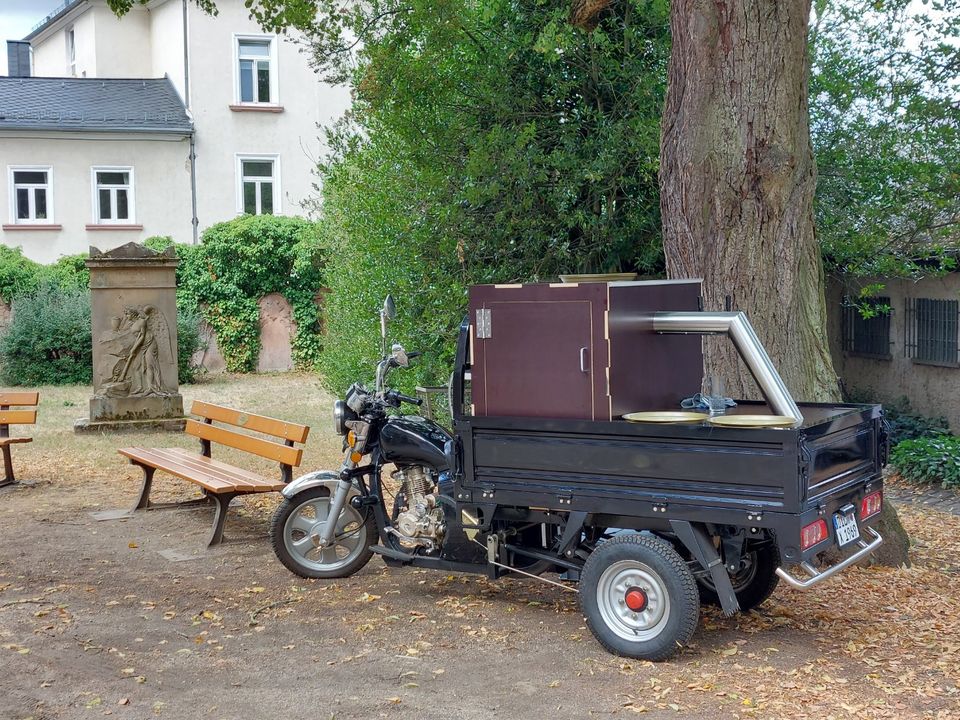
[{"x": 545, "y": 355}]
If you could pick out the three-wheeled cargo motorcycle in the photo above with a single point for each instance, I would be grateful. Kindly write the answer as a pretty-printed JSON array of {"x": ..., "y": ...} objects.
[{"x": 649, "y": 519}]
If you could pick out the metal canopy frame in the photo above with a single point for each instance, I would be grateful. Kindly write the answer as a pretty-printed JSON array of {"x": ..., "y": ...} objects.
[{"x": 741, "y": 332}]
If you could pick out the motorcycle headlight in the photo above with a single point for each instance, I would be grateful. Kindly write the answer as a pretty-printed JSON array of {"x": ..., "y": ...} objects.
[{"x": 341, "y": 414}]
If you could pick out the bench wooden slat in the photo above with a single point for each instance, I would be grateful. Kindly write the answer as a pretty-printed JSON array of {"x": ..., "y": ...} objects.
[
  {"x": 229, "y": 473},
  {"x": 249, "y": 421},
  {"x": 257, "y": 446},
  {"x": 256, "y": 482},
  {"x": 19, "y": 398},
  {"x": 18, "y": 417},
  {"x": 234, "y": 476},
  {"x": 173, "y": 463},
  {"x": 158, "y": 460}
]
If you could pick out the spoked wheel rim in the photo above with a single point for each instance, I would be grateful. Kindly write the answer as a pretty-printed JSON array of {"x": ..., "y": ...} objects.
[
  {"x": 307, "y": 522},
  {"x": 633, "y": 600}
]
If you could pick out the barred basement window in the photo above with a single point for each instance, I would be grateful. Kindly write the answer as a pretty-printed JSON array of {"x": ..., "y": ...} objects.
[
  {"x": 867, "y": 336},
  {"x": 932, "y": 331}
]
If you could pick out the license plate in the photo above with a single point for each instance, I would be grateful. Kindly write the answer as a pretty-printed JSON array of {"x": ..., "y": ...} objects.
[{"x": 846, "y": 528}]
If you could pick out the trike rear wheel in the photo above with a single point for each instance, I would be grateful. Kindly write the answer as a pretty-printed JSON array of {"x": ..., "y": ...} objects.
[{"x": 639, "y": 598}]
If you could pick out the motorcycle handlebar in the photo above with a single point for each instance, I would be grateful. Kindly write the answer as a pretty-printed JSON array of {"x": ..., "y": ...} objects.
[{"x": 400, "y": 397}]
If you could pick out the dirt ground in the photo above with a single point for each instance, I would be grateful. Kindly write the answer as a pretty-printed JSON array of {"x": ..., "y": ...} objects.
[{"x": 135, "y": 619}]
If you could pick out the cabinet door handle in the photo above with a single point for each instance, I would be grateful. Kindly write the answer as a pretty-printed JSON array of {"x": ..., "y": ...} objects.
[{"x": 583, "y": 360}]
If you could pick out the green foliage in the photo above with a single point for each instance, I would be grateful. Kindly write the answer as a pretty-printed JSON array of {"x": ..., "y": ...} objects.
[
  {"x": 905, "y": 423},
  {"x": 158, "y": 242},
  {"x": 236, "y": 264},
  {"x": 929, "y": 460},
  {"x": 189, "y": 342},
  {"x": 489, "y": 142},
  {"x": 885, "y": 124},
  {"x": 48, "y": 340},
  {"x": 20, "y": 275}
]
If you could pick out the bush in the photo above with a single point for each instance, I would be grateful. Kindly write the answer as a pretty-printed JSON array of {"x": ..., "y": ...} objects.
[
  {"x": 929, "y": 460},
  {"x": 236, "y": 264},
  {"x": 48, "y": 341},
  {"x": 189, "y": 342},
  {"x": 21, "y": 276},
  {"x": 905, "y": 424}
]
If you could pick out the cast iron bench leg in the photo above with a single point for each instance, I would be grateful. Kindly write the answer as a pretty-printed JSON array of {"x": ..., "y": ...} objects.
[
  {"x": 143, "y": 502},
  {"x": 7, "y": 467},
  {"x": 223, "y": 501}
]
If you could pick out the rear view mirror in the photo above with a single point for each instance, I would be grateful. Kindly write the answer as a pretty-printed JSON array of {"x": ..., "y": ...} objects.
[{"x": 389, "y": 308}]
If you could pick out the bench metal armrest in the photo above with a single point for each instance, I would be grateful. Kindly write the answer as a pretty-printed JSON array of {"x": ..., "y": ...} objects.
[{"x": 817, "y": 576}]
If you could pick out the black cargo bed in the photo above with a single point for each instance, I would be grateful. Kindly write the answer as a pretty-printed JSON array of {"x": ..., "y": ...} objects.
[{"x": 698, "y": 470}]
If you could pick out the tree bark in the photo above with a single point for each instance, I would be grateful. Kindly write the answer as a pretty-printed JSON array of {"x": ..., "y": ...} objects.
[{"x": 737, "y": 181}]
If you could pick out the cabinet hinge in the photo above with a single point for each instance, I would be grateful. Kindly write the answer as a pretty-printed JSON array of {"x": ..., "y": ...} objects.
[{"x": 484, "y": 324}]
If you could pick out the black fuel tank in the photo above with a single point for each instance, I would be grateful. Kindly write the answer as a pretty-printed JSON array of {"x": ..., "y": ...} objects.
[{"x": 414, "y": 439}]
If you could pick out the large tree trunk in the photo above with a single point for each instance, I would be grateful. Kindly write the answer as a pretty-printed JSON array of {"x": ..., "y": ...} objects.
[{"x": 737, "y": 180}]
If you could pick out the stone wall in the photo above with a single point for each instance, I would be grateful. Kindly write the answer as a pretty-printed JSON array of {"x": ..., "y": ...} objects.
[
  {"x": 277, "y": 330},
  {"x": 933, "y": 390}
]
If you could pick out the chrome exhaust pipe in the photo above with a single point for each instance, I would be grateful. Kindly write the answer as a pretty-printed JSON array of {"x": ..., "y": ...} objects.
[{"x": 741, "y": 332}]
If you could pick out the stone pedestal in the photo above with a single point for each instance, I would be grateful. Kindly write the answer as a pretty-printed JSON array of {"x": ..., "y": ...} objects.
[{"x": 134, "y": 324}]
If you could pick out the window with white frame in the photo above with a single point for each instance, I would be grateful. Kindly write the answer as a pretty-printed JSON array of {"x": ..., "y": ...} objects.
[
  {"x": 31, "y": 196},
  {"x": 71, "y": 52},
  {"x": 257, "y": 190},
  {"x": 113, "y": 195},
  {"x": 256, "y": 69}
]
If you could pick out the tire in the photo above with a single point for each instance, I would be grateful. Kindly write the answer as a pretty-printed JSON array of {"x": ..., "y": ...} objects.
[
  {"x": 296, "y": 520},
  {"x": 648, "y": 568},
  {"x": 753, "y": 583}
]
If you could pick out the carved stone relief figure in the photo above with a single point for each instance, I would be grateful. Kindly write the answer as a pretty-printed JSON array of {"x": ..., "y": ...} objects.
[{"x": 140, "y": 343}]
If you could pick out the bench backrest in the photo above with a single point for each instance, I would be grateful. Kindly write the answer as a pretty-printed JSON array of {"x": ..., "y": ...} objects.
[
  {"x": 17, "y": 417},
  {"x": 284, "y": 453}
]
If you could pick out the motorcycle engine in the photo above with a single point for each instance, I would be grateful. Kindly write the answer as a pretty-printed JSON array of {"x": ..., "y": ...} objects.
[{"x": 421, "y": 519}]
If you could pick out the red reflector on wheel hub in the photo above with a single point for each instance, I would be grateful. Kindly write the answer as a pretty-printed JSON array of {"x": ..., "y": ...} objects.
[
  {"x": 636, "y": 599},
  {"x": 815, "y": 532}
]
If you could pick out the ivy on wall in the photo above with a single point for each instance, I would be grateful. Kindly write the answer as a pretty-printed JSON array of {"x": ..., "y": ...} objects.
[{"x": 237, "y": 263}]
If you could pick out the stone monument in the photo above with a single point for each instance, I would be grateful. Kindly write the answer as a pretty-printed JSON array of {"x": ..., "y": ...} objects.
[{"x": 134, "y": 330}]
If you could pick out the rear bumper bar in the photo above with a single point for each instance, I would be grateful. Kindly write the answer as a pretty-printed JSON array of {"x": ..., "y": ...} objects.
[{"x": 817, "y": 576}]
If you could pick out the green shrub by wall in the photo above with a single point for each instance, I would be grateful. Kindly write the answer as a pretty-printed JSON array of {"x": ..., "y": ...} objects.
[
  {"x": 929, "y": 460},
  {"x": 236, "y": 264},
  {"x": 48, "y": 340},
  {"x": 905, "y": 422},
  {"x": 20, "y": 275}
]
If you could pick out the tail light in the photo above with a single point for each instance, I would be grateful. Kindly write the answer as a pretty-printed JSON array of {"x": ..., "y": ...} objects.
[
  {"x": 815, "y": 532},
  {"x": 871, "y": 504}
]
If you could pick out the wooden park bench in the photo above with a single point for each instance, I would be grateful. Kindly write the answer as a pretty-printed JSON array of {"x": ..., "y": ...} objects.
[
  {"x": 10, "y": 417},
  {"x": 220, "y": 481}
]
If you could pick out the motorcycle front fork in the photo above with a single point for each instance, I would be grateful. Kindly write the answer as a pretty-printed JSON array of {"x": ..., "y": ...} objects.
[{"x": 336, "y": 504}]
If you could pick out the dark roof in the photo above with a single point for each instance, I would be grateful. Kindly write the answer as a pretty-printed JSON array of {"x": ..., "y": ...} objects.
[{"x": 92, "y": 104}]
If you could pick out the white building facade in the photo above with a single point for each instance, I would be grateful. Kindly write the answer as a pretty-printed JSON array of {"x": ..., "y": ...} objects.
[{"x": 254, "y": 112}]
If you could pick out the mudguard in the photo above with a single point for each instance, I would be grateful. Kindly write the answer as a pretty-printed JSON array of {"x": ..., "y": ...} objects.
[{"x": 326, "y": 478}]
